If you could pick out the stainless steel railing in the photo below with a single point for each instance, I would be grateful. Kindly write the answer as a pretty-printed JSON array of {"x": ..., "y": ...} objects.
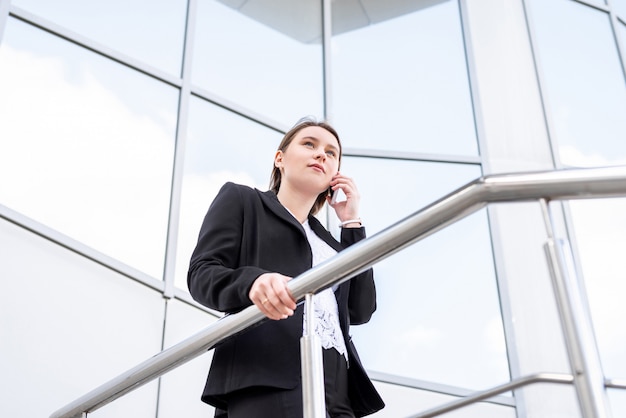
[{"x": 548, "y": 185}]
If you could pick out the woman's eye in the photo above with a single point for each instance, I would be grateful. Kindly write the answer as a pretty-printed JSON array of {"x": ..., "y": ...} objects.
[
  {"x": 308, "y": 144},
  {"x": 330, "y": 153}
]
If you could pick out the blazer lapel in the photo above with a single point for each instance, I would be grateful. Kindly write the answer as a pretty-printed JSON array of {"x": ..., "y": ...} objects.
[{"x": 271, "y": 201}]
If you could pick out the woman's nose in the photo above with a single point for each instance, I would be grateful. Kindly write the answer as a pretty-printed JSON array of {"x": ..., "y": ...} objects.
[{"x": 321, "y": 155}]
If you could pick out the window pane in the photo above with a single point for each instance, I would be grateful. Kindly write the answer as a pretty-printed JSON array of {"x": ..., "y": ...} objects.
[
  {"x": 221, "y": 146},
  {"x": 617, "y": 398},
  {"x": 91, "y": 143},
  {"x": 600, "y": 229},
  {"x": 267, "y": 59},
  {"x": 438, "y": 309},
  {"x": 149, "y": 30},
  {"x": 620, "y": 8},
  {"x": 583, "y": 82},
  {"x": 67, "y": 325},
  {"x": 400, "y": 78}
]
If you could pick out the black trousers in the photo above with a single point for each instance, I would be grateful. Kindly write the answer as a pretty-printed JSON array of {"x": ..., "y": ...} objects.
[{"x": 268, "y": 402}]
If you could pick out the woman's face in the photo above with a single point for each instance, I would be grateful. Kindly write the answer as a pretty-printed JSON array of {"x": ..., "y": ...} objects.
[{"x": 310, "y": 160}]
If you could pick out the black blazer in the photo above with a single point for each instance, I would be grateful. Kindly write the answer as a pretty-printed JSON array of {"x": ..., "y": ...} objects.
[{"x": 246, "y": 233}]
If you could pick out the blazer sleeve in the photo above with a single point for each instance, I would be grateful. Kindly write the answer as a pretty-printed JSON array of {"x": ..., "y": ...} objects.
[
  {"x": 215, "y": 278},
  {"x": 362, "y": 296}
]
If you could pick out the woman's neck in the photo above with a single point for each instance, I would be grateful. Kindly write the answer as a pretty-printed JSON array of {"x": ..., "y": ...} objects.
[{"x": 298, "y": 203}]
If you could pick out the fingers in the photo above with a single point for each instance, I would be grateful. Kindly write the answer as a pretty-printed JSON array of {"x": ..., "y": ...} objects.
[
  {"x": 348, "y": 209},
  {"x": 270, "y": 294},
  {"x": 346, "y": 184}
]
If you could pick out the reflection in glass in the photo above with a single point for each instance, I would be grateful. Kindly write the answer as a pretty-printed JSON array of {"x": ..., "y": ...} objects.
[
  {"x": 266, "y": 59},
  {"x": 151, "y": 31},
  {"x": 400, "y": 79},
  {"x": 221, "y": 146},
  {"x": 583, "y": 82},
  {"x": 438, "y": 309},
  {"x": 91, "y": 143}
]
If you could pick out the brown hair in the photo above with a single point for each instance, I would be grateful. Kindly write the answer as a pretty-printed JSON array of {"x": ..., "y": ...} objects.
[{"x": 276, "y": 176}]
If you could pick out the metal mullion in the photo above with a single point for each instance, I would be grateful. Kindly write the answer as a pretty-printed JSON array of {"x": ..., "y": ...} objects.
[
  {"x": 93, "y": 46},
  {"x": 184, "y": 297},
  {"x": 621, "y": 51},
  {"x": 600, "y": 7},
  {"x": 4, "y": 14},
  {"x": 233, "y": 107},
  {"x": 541, "y": 86},
  {"x": 472, "y": 83},
  {"x": 169, "y": 268},
  {"x": 79, "y": 248},
  {"x": 412, "y": 156},
  {"x": 327, "y": 33}
]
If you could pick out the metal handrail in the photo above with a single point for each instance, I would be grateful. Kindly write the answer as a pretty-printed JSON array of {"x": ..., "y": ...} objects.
[
  {"x": 561, "y": 378},
  {"x": 489, "y": 393},
  {"x": 551, "y": 185}
]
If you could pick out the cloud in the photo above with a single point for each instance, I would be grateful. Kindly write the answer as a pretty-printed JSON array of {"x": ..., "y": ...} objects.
[
  {"x": 573, "y": 157},
  {"x": 77, "y": 158}
]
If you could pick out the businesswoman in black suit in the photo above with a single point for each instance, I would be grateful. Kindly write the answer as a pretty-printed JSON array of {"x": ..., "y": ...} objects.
[{"x": 251, "y": 244}]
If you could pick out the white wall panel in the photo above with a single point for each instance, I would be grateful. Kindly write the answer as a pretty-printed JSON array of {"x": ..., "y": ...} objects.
[{"x": 69, "y": 325}]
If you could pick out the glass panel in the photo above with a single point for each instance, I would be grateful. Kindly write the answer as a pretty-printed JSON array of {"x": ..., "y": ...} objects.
[
  {"x": 583, "y": 82},
  {"x": 180, "y": 388},
  {"x": 438, "y": 308},
  {"x": 87, "y": 146},
  {"x": 152, "y": 31},
  {"x": 221, "y": 146},
  {"x": 400, "y": 78},
  {"x": 617, "y": 398},
  {"x": 68, "y": 325},
  {"x": 267, "y": 59},
  {"x": 600, "y": 227},
  {"x": 619, "y": 6}
]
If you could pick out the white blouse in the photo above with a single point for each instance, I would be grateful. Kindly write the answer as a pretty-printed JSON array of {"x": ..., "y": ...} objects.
[{"x": 327, "y": 326}]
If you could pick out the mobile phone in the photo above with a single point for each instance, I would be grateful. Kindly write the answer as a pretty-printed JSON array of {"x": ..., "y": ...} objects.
[{"x": 333, "y": 196}]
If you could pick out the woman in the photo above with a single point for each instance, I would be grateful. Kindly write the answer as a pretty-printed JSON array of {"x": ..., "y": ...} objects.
[{"x": 250, "y": 245}]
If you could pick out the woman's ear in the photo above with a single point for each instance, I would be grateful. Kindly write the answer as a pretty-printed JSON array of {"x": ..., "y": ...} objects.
[{"x": 278, "y": 159}]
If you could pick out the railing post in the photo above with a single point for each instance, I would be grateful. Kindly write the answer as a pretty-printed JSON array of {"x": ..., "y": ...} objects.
[
  {"x": 313, "y": 394},
  {"x": 582, "y": 351}
]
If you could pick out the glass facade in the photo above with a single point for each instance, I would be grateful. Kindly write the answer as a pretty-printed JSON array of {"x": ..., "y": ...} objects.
[
  {"x": 421, "y": 57},
  {"x": 583, "y": 70},
  {"x": 265, "y": 59},
  {"x": 91, "y": 142},
  {"x": 120, "y": 121}
]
